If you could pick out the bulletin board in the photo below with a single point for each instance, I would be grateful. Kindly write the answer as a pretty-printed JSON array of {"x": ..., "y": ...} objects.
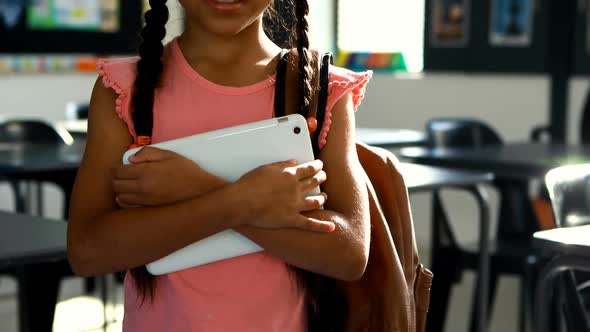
[{"x": 486, "y": 36}]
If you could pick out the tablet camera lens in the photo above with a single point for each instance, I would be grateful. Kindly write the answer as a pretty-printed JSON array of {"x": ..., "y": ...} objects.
[{"x": 297, "y": 130}]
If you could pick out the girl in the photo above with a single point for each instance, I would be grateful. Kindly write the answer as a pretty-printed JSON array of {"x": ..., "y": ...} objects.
[{"x": 218, "y": 73}]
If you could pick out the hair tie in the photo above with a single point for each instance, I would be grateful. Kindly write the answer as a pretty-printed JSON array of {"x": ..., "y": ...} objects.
[
  {"x": 141, "y": 141},
  {"x": 312, "y": 124}
]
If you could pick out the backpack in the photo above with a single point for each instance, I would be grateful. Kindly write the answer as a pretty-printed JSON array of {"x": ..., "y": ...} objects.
[{"x": 393, "y": 295}]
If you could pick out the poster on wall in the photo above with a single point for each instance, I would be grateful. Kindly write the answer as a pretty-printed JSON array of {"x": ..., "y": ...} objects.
[
  {"x": 450, "y": 23},
  {"x": 512, "y": 23}
]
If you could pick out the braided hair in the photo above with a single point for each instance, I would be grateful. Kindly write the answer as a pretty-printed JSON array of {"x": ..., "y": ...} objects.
[
  {"x": 149, "y": 72},
  {"x": 305, "y": 69},
  {"x": 326, "y": 304}
]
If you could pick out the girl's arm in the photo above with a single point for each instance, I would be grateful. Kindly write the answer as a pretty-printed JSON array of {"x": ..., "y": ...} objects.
[
  {"x": 103, "y": 238},
  {"x": 342, "y": 254}
]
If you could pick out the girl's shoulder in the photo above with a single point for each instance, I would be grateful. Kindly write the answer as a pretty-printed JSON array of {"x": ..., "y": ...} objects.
[
  {"x": 118, "y": 73},
  {"x": 341, "y": 76},
  {"x": 343, "y": 80}
]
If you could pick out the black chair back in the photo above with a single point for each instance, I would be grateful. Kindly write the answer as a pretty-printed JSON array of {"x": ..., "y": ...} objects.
[
  {"x": 460, "y": 133},
  {"x": 517, "y": 218},
  {"x": 33, "y": 131}
]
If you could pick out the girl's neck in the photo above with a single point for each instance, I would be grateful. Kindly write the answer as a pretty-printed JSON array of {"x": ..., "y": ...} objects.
[
  {"x": 239, "y": 60},
  {"x": 251, "y": 45}
]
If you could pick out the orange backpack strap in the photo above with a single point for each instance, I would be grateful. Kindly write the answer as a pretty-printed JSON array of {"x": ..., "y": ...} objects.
[{"x": 140, "y": 141}]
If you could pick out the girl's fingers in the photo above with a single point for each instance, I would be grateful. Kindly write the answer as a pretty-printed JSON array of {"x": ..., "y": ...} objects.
[
  {"x": 129, "y": 200},
  {"x": 123, "y": 205},
  {"x": 150, "y": 154},
  {"x": 314, "y": 225},
  {"x": 126, "y": 186},
  {"x": 311, "y": 183},
  {"x": 128, "y": 172},
  {"x": 284, "y": 164},
  {"x": 311, "y": 203},
  {"x": 309, "y": 169}
]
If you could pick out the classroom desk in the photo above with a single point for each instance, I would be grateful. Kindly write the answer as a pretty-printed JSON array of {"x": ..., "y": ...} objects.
[
  {"x": 420, "y": 178},
  {"x": 34, "y": 250},
  {"x": 572, "y": 245},
  {"x": 513, "y": 160},
  {"x": 513, "y": 166},
  {"x": 26, "y": 240},
  {"x": 381, "y": 137},
  {"x": 54, "y": 163},
  {"x": 33, "y": 158}
]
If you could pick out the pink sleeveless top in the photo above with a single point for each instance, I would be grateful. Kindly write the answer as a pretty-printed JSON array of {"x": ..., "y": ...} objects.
[{"x": 256, "y": 292}]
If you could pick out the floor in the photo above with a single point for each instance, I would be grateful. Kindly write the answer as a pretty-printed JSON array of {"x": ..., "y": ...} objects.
[{"x": 74, "y": 313}]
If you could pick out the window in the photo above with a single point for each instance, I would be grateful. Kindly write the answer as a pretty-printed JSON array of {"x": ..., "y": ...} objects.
[{"x": 383, "y": 26}]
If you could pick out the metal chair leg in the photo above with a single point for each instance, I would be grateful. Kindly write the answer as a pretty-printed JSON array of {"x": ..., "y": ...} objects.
[
  {"x": 445, "y": 270},
  {"x": 545, "y": 291}
]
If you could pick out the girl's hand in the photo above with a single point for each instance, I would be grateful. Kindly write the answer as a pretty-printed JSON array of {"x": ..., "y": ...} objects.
[
  {"x": 160, "y": 177},
  {"x": 274, "y": 196}
]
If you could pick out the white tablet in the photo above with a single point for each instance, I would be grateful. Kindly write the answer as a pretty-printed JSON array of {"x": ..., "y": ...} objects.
[{"x": 230, "y": 153}]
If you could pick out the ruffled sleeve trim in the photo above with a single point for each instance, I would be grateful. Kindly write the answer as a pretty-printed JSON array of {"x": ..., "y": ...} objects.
[
  {"x": 341, "y": 82},
  {"x": 118, "y": 74}
]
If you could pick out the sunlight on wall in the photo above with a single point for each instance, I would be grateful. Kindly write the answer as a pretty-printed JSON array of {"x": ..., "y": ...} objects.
[{"x": 383, "y": 26}]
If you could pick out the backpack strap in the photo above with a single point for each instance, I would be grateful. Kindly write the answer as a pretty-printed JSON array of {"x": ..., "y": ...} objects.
[
  {"x": 286, "y": 92},
  {"x": 280, "y": 84},
  {"x": 327, "y": 60}
]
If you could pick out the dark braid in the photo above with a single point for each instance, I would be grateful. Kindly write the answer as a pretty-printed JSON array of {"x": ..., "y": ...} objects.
[
  {"x": 327, "y": 306},
  {"x": 149, "y": 72},
  {"x": 305, "y": 68},
  {"x": 149, "y": 67}
]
